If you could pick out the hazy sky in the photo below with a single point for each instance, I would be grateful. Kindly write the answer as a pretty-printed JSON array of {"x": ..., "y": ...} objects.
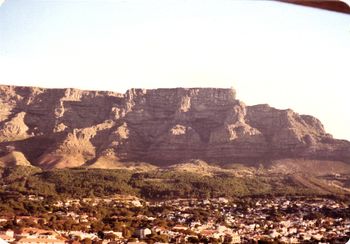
[{"x": 281, "y": 54}]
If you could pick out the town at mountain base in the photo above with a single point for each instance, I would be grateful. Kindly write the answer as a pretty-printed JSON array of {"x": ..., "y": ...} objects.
[
  {"x": 59, "y": 128},
  {"x": 166, "y": 166}
]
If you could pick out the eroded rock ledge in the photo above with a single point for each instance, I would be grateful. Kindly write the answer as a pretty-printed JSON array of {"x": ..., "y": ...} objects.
[{"x": 55, "y": 128}]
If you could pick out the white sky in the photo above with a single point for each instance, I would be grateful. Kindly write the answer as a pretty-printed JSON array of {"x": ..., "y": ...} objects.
[{"x": 281, "y": 54}]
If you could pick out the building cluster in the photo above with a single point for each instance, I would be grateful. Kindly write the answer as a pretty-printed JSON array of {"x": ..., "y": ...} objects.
[
  {"x": 32, "y": 236},
  {"x": 286, "y": 220},
  {"x": 219, "y": 220}
]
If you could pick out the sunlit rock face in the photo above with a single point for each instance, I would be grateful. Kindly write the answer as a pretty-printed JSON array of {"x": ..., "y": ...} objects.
[{"x": 57, "y": 128}]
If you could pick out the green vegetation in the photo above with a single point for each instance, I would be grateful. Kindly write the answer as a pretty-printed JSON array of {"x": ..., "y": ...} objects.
[
  {"x": 19, "y": 185},
  {"x": 82, "y": 182},
  {"x": 170, "y": 184},
  {"x": 158, "y": 184}
]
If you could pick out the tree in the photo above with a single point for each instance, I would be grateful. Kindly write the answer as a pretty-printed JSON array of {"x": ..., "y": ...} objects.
[
  {"x": 110, "y": 236},
  {"x": 127, "y": 233},
  {"x": 193, "y": 239},
  {"x": 227, "y": 239},
  {"x": 87, "y": 241},
  {"x": 96, "y": 226}
]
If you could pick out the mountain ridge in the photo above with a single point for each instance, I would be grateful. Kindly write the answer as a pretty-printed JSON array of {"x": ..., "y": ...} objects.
[{"x": 58, "y": 128}]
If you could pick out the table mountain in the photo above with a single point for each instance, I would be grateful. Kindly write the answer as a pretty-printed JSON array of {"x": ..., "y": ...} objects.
[{"x": 57, "y": 128}]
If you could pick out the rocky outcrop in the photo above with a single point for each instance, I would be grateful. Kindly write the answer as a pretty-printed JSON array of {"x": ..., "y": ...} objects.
[
  {"x": 14, "y": 158},
  {"x": 55, "y": 128}
]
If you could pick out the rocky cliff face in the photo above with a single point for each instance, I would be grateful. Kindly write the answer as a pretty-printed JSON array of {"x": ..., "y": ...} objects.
[{"x": 55, "y": 128}]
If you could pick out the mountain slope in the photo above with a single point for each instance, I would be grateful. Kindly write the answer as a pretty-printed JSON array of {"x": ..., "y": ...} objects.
[
  {"x": 58, "y": 128},
  {"x": 14, "y": 159}
]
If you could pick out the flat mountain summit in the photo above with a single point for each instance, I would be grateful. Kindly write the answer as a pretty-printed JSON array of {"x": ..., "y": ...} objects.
[{"x": 58, "y": 128}]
